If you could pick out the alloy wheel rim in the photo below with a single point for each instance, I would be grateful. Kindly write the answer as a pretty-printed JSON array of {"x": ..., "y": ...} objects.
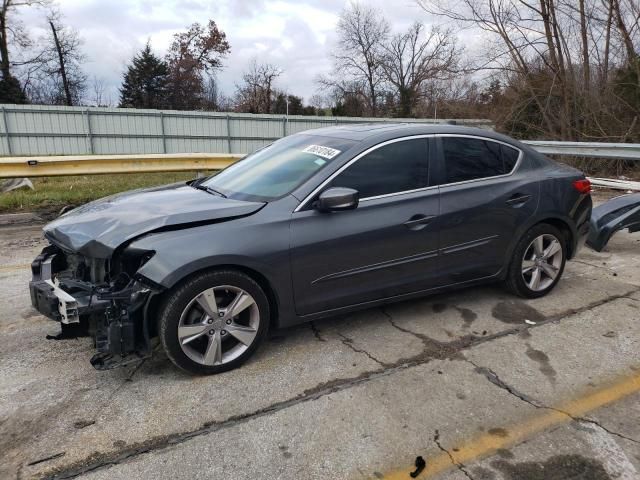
[
  {"x": 218, "y": 325},
  {"x": 541, "y": 262}
]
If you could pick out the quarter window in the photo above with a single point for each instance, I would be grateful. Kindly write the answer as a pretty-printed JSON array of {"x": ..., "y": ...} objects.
[
  {"x": 396, "y": 167},
  {"x": 474, "y": 158}
]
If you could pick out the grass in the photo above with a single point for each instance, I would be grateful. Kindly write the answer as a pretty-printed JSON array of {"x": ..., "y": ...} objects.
[{"x": 53, "y": 193}]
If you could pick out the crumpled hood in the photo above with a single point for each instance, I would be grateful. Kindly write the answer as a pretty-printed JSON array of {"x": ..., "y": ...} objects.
[{"x": 98, "y": 228}]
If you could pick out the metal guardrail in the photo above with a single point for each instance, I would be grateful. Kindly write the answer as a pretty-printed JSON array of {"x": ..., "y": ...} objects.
[
  {"x": 628, "y": 151},
  {"x": 17, "y": 167}
]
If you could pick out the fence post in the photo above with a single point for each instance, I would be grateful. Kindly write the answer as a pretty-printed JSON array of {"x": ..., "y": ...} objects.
[
  {"x": 6, "y": 130},
  {"x": 228, "y": 133},
  {"x": 164, "y": 139},
  {"x": 89, "y": 134}
]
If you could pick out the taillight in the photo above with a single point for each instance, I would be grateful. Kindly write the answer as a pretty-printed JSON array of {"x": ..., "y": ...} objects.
[{"x": 583, "y": 186}]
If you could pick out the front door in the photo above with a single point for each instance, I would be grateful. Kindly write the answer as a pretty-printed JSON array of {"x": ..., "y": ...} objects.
[{"x": 387, "y": 246}]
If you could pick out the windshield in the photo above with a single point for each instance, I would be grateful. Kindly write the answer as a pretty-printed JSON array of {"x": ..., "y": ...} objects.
[{"x": 278, "y": 169}]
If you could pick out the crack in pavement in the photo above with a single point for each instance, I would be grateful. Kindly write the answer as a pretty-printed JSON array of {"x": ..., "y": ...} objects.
[
  {"x": 604, "y": 267},
  {"x": 493, "y": 377},
  {"x": 433, "y": 350},
  {"x": 458, "y": 465},
  {"x": 497, "y": 381},
  {"x": 129, "y": 378},
  {"x": 316, "y": 332},
  {"x": 349, "y": 343},
  {"x": 405, "y": 330}
]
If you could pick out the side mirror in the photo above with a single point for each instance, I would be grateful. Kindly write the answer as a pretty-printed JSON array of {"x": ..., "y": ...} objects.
[{"x": 336, "y": 199}]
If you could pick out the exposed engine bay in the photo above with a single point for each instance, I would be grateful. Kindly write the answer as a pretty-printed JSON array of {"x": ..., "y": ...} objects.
[{"x": 97, "y": 297}]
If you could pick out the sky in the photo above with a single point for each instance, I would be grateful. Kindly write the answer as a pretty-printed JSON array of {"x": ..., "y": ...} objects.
[{"x": 297, "y": 36}]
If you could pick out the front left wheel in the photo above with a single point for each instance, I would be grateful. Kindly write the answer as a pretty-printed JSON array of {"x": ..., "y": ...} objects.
[{"x": 214, "y": 321}]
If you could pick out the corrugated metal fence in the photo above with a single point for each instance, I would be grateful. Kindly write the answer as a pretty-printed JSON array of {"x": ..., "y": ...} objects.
[{"x": 49, "y": 130}]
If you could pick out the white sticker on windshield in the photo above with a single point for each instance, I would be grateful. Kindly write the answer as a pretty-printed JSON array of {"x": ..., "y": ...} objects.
[{"x": 321, "y": 151}]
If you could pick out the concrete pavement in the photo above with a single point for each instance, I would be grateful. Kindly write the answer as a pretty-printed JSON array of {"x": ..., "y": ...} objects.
[{"x": 354, "y": 397}]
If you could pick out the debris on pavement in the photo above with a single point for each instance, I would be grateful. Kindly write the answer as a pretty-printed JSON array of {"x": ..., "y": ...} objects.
[
  {"x": 15, "y": 184},
  {"x": 420, "y": 464}
]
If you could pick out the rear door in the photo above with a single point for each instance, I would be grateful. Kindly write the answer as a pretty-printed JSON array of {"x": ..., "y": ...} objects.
[
  {"x": 385, "y": 247},
  {"x": 484, "y": 197}
]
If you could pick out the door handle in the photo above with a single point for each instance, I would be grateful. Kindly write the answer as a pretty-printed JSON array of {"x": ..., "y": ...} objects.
[
  {"x": 517, "y": 199},
  {"x": 418, "y": 222}
]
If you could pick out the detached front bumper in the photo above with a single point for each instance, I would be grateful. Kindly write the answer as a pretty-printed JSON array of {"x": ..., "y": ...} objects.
[{"x": 113, "y": 315}]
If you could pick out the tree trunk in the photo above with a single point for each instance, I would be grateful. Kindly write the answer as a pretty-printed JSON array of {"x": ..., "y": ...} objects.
[
  {"x": 607, "y": 46},
  {"x": 566, "y": 132},
  {"x": 585, "y": 49},
  {"x": 4, "y": 49},
  {"x": 372, "y": 92},
  {"x": 405, "y": 103},
  {"x": 63, "y": 72}
]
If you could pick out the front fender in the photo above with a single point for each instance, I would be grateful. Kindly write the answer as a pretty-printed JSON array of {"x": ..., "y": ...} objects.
[
  {"x": 167, "y": 270},
  {"x": 260, "y": 250}
]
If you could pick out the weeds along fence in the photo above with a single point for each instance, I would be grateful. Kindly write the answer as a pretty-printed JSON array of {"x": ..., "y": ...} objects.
[{"x": 53, "y": 130}]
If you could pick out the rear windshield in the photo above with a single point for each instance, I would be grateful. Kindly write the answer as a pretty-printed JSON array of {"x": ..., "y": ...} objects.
[{"x": 279, "y": 168}]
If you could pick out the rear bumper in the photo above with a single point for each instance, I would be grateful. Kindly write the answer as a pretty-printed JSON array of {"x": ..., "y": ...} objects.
[{"x": 612, "y": 216}]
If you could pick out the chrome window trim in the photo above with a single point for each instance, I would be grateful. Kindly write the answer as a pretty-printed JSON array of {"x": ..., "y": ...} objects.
[
  {"x": 404, "y": 192},
  {"x": 478, "y": 137},
  {"x": 413, "y": 137},
  {"x": 354, "y": 160}
]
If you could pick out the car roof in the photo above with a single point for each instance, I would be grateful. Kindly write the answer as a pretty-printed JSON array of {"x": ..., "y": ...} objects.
[{"x": 387, "y": 131}]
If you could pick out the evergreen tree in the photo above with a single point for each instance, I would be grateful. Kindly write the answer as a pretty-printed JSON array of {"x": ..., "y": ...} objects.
[
  {"x": 11, "y": 91},
  {"x": 145, "y": 84}
]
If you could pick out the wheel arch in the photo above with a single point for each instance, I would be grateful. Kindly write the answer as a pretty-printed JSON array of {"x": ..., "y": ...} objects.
[
  {"x": 274, "y": 304},
  {"x": 566, "y": 231},
  {"x": 562, "y": 224}
]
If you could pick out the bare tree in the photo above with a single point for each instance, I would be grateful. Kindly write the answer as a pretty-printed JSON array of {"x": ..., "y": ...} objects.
[
  {"x": 362, "y": 32},
  {"x": 211, "y": 93},
  {"x": 255, "y": 93},
  {"x": 414, "y": 58},
  {"x": 11, "y": 31},
  {"x": 98, "y": 89},
  {"x": 547, "y": 52},
  {"x": 14, "y": 41},
  {"x": 318, "y": 101},
  {"x": 57, "y": 76}
]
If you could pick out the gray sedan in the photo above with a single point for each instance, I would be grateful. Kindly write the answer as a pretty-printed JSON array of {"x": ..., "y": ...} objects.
[{"x": 318, "y": 223}]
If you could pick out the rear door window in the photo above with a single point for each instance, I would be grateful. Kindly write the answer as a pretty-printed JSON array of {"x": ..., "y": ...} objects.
[{"x": 475, "y": 158}]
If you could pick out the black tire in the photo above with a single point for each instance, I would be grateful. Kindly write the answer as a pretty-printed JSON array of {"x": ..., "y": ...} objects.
[
  {"x": 515, "y": 281},
  {"x": 178, "y": 300}
]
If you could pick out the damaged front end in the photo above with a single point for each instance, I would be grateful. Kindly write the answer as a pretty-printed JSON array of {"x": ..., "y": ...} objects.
[{"x": 100, "y": 297}]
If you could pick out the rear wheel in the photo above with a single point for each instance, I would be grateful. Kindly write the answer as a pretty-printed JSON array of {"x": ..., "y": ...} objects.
[
  {"x": 214, "y": 322},
  {"x": 538, "y": 262}
]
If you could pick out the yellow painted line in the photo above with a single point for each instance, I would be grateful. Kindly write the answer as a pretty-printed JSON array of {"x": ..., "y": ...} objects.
[
  {"x": 486, "y": 444},
  {"x": 12, "y": 268}
]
